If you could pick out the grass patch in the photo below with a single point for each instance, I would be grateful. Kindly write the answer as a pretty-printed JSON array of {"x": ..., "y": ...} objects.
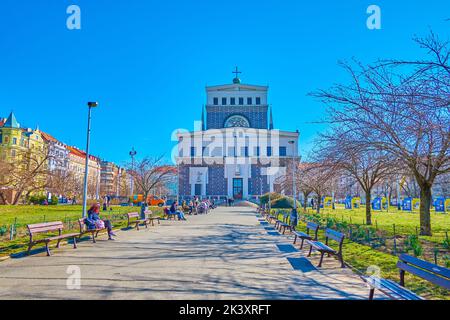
[
  {"x": 68, "y": 214},
  {"x": 360, "y": 257}
]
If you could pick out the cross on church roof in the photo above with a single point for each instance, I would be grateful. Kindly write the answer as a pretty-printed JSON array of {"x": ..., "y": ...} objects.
[{"x": 236, "y": 79}]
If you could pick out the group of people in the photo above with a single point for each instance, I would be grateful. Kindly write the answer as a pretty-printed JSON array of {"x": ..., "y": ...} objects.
[
  {"x": 197, "y": 206},
  {"x": 93, "y": 220}
]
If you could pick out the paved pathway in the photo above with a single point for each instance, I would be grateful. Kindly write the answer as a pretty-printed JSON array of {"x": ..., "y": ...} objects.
[{"x": 227, "y": 254}]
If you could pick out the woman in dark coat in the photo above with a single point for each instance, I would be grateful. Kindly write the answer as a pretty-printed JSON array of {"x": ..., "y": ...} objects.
[{"x": 93, "y": 218}]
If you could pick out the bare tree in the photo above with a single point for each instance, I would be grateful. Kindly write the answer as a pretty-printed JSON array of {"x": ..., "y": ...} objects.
[
  {"x": 319, "y": 178},
  {"x": 60, "y": 182},
  {"x": 149, "y": 173},
  {"x": 343, "y": 152},
  {"x": 401, "y": 108},
  {"x": 28, "y": 173},
  {"x": 304, "y": 173}
]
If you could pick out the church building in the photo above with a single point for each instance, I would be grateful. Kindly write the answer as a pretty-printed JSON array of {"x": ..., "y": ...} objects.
[{"x": 235, "y": 152}]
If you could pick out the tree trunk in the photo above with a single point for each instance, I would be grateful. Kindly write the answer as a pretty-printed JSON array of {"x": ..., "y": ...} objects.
[
  {"x": 368, "y": 208},
  {"x": 425, "y": 204},
  {"x": 16, "y": 198},
  {"x": 3, "y": 198},
  {"x": 319, "y": 200},
  {"x": 305, "y": 203}
]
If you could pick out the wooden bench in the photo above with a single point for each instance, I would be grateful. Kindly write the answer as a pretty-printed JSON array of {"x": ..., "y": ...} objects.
[
  {"x": 151, "y": 217},
  {"x": 324, "y": 248},
  {"x": 264, "y": 213},
  {"x": 272, "y": 217},
  {"x": 135, "y": 218},
  {"x": 84, "y": 230},
  {"x": 435, "y": 274},
  {"x": 47, "y": 227},
  {"x": 310, "y": 226},
  {"x": 283, "y": 224}
]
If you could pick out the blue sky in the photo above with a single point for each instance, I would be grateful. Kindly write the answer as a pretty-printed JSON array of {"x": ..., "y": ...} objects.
[{"x": 147, "y": 62}]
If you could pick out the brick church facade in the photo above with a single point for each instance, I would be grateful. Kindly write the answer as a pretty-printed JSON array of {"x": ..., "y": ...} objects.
[{"x": 236, "y": 152}]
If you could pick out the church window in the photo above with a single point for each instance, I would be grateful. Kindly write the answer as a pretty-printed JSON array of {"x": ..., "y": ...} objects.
[
  {"x": 232, "y": 101},
  {"x": 249, "y": 101},
  {"x": 244, "y": 151},
  {"x": 269, "y": 151},
  {"x": 216, "y": 101},
  {"x": 224, "y": 101},
  {"x": 192, "y": 151},
  {"x": 237, "y": 121},
  {"x": 241, "y": 101},
  {"x": 282, "y": 151},
  {"x": 258, "y": 100}
]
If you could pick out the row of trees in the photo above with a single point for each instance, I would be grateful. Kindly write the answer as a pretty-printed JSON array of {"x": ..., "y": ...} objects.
[
  {"x": 391, "y": 120},
  {"x": 28, "y": 173}
]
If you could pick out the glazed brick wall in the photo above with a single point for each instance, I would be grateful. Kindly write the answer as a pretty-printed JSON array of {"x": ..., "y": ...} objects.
[{"x": 217, "y": 115}]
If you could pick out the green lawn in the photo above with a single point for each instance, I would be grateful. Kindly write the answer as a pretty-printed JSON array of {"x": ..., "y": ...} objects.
[
  {"x": 22, "y": 215},
  {"x": 361, "y": 255},
  {"x": 406, "y": 223}
]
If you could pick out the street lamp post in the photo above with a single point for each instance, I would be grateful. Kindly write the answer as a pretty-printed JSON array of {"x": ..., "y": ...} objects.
[
  {"x": 132, "y": 154},
  {"x": 294, "y": 218},
  {"x": 86, "y": 169},
  {"x": 294, "y": 191}
]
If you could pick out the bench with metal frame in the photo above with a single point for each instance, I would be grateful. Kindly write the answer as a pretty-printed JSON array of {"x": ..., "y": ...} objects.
[
  {"x": 310, "y": 226},
  {"x": 47, "y": 227},
  {"x": 84, "y": 230},
  {"x": 151, "y": 217},
  {"x": 323, "y": 248},
  {"x": 433, "y": 273},
  {"x": 135, "y": 218}
]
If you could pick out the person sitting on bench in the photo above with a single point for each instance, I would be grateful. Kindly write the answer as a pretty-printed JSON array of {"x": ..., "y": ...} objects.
[
  {"x": 173, "y": 210},
  {"x": 93, "y": 221}
]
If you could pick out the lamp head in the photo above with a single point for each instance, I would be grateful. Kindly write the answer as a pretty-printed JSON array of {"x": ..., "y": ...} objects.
[{"x": 92, "y": 104}]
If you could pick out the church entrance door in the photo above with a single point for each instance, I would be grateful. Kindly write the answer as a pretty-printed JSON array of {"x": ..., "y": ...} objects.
[
  {"x": 198, "y": 189},
  {"x": 238, "y": 188}
]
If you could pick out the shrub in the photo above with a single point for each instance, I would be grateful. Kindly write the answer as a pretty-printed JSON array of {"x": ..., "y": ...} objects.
[
  {"x": 412, "y": 243},
  {"x": 54, "y": 201},
  {"x": 282, "y": 203},
  {"x": 447, "y": 261},
  {"x": 446, "y": 243},
  {"x": 3, "y": 230},
  {"x": 37, "y": 199},
  {"x": 273, "y": 196}
]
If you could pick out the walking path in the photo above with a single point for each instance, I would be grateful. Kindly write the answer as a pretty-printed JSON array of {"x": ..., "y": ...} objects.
[{"x": 227, "y": 254}]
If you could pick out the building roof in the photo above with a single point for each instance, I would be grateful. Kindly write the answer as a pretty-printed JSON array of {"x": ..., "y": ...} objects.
[
  {"x": 11, "y": 122},
  {"x": 76, "y": 152},
  {"x": 237, "y": 87},
  {"x": 2, "y": 122},
  {"x": 48, "y": 137}
]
